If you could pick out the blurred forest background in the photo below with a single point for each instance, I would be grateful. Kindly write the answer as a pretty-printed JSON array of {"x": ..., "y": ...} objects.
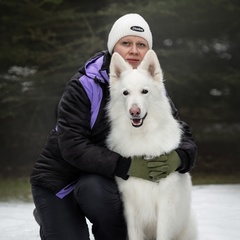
[{"x": 44, "y": 42}]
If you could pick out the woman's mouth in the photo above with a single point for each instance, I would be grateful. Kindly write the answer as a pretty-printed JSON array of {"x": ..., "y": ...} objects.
[{"x": 133, "y": 62}]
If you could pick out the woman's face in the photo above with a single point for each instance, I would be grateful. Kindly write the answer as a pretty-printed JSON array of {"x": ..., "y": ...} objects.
[{"x": 132, "y": 49}]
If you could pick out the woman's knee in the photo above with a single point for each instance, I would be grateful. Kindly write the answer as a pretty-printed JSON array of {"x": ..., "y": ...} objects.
[
  {"x": 98, "y": 196},
  {"x": 92, "y": 187},
  {"x": 100, "y": 201}
]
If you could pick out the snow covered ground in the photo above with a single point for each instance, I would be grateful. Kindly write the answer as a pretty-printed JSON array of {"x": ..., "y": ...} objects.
[{"x": 217, "y": 208}]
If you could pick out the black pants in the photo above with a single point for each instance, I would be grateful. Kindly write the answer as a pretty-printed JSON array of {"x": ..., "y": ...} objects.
[{"x": 94, "y": 197}]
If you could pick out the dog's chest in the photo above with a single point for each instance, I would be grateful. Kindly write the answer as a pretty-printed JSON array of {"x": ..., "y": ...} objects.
[
  {"x": 129, "y": 145},
  {"x": 142, "y": 196}
]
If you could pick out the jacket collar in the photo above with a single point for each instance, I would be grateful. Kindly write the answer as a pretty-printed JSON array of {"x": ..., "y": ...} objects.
[{"x": 97, "y": 67}]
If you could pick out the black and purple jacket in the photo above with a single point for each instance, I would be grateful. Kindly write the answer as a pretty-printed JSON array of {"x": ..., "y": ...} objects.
[{"x": 77, "y": 144}]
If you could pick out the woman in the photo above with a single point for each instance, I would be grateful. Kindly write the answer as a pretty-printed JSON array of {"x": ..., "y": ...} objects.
[{"x": 73, "y": 178}]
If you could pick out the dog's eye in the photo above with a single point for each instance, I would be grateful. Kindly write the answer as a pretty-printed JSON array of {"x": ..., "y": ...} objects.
[
  {"x": 144, "y": 91},
  {"x": 125, "y": 93}
]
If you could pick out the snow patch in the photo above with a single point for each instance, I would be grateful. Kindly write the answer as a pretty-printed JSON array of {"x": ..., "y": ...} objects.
[{"x": 217, "y": 208}]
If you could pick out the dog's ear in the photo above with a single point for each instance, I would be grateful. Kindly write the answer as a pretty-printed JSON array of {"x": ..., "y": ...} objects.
[
  {"x": 151, "y": 64},
  {"x": 118, "y": 65}
]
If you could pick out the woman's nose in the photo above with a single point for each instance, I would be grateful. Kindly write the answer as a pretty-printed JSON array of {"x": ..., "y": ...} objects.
[{"x": 134, "y": 49}]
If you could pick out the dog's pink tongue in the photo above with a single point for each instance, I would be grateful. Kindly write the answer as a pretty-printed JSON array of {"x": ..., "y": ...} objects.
[{"x": 137, "y": 122}]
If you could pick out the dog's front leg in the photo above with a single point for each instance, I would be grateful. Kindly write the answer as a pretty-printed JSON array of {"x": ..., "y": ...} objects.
[
  {"x": 167, "y": 219},
  {"x": 135, "y": 231}
]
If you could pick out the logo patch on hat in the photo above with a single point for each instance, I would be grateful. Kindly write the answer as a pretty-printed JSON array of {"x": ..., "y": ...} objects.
[{"x": 137, "y": 29}]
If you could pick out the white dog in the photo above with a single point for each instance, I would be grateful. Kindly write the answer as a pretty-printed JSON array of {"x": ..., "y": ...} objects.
[{"x": 142, "y": 124}]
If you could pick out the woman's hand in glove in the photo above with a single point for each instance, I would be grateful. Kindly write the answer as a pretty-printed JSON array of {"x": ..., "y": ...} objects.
[{"x": 162, "y": 166}]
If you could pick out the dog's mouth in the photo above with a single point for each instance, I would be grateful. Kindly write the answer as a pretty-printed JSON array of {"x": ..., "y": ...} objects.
[{"x": 138, "y": 122}]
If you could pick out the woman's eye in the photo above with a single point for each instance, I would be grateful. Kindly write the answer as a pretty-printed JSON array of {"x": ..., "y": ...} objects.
[
  {"x": 144, "y": 91},
  {"x": 125, "y": 93},
  {"x": 126, "y": 43},
  {"x": 142, "y": 45}
]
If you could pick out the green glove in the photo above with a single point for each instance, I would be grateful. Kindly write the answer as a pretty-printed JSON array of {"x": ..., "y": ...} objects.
[
  {"x": 162, "y": 166},
  {"x": 139, "y": 168}
]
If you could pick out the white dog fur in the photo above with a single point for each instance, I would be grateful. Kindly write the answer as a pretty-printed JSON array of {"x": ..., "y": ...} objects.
[{"x": 153, "y": 211}]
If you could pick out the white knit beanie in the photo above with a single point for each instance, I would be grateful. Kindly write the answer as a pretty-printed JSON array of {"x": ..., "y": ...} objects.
[{"x": 130, "y": 24}]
